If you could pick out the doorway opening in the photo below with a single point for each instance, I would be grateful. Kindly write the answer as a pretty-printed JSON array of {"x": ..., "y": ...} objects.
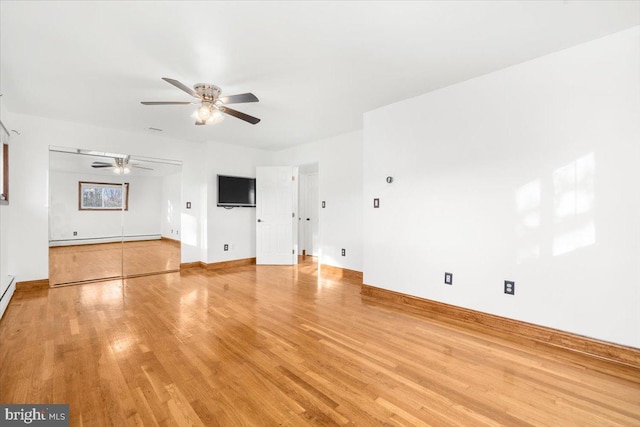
[{"x": 309, "y": 211}]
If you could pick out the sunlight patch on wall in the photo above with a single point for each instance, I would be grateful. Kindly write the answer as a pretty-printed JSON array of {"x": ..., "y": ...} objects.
[
  {"x": 574, "y": 239},
  {"x": 573, "y": 186},
  {"x": 574, "y": 199},
  {"x": 189, "y": 230},
  {"x": 169, "y": 212},
  {"x": 528, "y": 199},
  {"x": 528, "y": 253}
]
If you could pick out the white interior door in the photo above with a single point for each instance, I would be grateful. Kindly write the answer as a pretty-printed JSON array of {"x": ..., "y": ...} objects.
[
  {"x": 276, "y": 203},
  {"x": 312, "y": 213}
]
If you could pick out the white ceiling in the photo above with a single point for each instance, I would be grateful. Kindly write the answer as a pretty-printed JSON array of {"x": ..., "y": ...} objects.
[{"x": 315, "y": 66}]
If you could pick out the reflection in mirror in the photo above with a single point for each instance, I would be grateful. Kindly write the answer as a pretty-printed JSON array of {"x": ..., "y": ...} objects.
[
  {"x": 152, "y": 246},
  {"x": 108, "y": 216},
  {"x": 83, "y": 245}
]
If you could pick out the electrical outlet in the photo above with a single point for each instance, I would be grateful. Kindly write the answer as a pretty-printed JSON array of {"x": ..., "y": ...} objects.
[
  {"x": 172, "y": 231},
  {"x": 177, "y": 232},
  {"x": 75, "y": 233},
  {"x": 226, "y": 247},
  {"x": 344, "y": 252},
  {"x": 448, "y": 278},
  {"x": 376, "y": 203},
  {"x": 324, "y": 204},
  {"x": 188, "y": 205},
  {"x": 509, "y": 287}
]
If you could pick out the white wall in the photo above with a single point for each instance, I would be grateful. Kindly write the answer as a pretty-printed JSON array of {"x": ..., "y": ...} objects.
[
  {"x": 527, "y": 174},
  {"x": 141, "y": 218},
  {"x": 28, "y": 212},
  {"x": 171, "y": 200},
  {"x": 7, "y": 284},
  {"x": 340, "y": 186},
  {"x": 235, "y": 227}
]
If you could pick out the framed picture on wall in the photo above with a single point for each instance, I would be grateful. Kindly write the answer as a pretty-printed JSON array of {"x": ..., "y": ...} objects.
[{"x": 103, "y": 196}]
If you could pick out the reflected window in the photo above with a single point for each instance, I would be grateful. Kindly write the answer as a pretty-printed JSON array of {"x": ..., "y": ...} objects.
[{"x": 102, "y": 196}]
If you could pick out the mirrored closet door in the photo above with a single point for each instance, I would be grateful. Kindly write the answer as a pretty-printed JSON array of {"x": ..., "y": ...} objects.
[{"x": 111, "y": 216}]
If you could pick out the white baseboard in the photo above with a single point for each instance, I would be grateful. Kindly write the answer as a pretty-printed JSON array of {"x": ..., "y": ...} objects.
[{"x": 111, "y": 239}]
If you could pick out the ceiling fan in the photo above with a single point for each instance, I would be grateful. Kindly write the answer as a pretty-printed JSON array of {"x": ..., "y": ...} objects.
[
  {"x": 212, "y": 105},
  {"x": 120, "y": 165}
]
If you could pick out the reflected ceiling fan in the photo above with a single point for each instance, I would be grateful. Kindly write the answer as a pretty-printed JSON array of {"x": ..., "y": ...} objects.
[
  {"x": 212, "y": 105},
  {"x": 120, "y": 165}
]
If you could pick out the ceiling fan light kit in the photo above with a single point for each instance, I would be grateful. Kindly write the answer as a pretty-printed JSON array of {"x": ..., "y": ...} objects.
[
  {"x": 120, "y": 165},
  {"x": 207, "y": 114},
  {"x": 212, "y": 105},
  {"x": 205, "y": 111},
  {"x": 121, "y": 170}
]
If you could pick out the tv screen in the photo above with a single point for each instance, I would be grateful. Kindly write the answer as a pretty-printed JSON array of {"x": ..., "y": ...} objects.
[{"x": 235, "y": 191}]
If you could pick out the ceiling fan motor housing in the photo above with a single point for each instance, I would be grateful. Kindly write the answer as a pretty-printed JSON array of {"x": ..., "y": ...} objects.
[{"x": 208, "y": 92}]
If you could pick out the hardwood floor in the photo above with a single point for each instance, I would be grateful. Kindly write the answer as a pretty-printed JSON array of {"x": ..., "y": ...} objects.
[
  {"x": 267, "y": 345},
  {"x": 81, "y": 263}
]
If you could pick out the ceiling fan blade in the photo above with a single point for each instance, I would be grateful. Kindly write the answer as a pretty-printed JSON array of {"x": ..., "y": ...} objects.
[
  {"x": 101, "y": 165},
  {"x": 238, "y": 99},
  {"x": 141, "y": 167},
  {"x": 182, "y": 86},
  {"x": 167, "y": 102},
  {"x": 242, "y": 116}
]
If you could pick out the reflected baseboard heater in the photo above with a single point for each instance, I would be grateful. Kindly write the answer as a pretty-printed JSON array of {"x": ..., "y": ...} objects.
[
  {"x": 7, "y": 288},
  {"x": 110, "y": 239}
]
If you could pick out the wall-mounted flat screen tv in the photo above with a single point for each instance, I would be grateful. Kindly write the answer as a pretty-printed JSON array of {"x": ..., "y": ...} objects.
[{"x": 236, "y": 191}]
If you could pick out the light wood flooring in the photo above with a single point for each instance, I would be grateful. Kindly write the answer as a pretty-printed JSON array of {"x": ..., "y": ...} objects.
[
  {"x": 270, "y": 345},
  {"x": 81, "y": 263}
]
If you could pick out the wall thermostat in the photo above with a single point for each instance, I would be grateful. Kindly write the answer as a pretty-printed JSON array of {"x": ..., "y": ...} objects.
[{"x": 389, "y": 179}]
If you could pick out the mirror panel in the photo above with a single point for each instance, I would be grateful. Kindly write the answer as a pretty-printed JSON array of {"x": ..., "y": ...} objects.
[
  {"x": 85, "y": 239},
  {"x": 106, "y": 225},
  {"x": 151, "y": 229}
]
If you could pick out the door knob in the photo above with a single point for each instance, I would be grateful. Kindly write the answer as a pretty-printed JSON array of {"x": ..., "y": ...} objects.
[
  {"x": 308, "y": 219},
  {"x": 259, "y": 220}
]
